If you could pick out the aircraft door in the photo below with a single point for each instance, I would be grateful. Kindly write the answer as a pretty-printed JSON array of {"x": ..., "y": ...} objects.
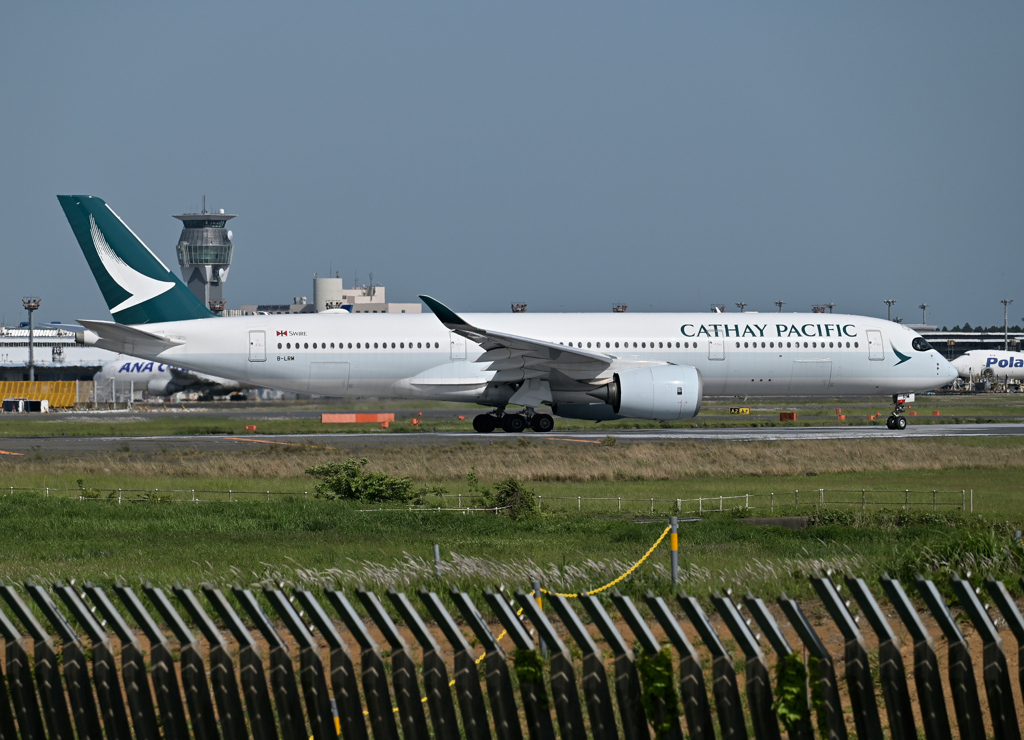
[
  {"x": 458, "y": 345},
  {"x": 257, "y": 346},
  {"x": 875, "y": 349},
  {"x": 716, "y": 349}
]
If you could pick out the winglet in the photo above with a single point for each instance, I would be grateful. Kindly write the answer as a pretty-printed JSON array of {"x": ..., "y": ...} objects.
[{"x": 446, "y": 316}]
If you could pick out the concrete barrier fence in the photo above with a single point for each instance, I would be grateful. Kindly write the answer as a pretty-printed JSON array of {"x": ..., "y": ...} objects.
[{"x": 87, "y": 663}]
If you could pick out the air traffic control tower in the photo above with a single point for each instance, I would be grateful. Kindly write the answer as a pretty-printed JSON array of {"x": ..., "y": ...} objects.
[{"x": 204, "y": 253}]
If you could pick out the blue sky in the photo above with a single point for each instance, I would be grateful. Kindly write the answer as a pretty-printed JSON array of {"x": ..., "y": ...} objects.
[{"x": 570, "y": 155}]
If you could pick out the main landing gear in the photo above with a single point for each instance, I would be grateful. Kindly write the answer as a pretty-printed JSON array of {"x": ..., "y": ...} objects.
[
  {"x": 513, "y": 423},
  {"x": 896, "y": 420}
]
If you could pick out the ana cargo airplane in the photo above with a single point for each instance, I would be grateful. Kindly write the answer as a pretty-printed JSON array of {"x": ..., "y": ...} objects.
[
  {"x": 582, "y": 366},
  {"x": 982, "y": 364},
  {"x": 159, "y": 379}
]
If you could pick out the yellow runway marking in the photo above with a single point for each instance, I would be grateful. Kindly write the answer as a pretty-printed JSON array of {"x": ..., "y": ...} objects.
[{"x": 565, "y": 439}]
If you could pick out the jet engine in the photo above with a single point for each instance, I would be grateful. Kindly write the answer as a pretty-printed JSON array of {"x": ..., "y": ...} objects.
[{"x": 658, "y": 392}]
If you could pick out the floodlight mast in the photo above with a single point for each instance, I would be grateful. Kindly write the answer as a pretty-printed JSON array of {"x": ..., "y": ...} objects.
[
  {"x": 741, "y": 305},
  {"x": 889, "y": 302},
  {"x": 780, "y": 304},
  {"x": 31, "y": 304},
  {"x": 924, "y": 313},
  {"x": 1006, "y": 322},
  {"x": 830, "y": 306}
]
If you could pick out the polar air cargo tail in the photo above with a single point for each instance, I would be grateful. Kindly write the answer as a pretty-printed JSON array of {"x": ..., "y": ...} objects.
[{"x": 582, "y": 366}]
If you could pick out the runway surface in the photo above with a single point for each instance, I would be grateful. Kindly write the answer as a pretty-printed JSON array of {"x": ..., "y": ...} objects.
[{"x": 70, "y": 445}]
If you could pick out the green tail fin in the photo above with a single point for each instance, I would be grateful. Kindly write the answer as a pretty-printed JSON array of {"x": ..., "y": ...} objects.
[{"x": 138, "y": 287}]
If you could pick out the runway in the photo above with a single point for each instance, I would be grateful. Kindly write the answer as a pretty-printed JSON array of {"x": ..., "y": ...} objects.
[{"x": 18, "y": 446}]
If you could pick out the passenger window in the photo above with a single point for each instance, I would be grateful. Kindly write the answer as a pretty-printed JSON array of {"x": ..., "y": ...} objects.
[
  {"x": 306, "y": 345},
  {"x": 856, "y": 345},
  {"x": 737, "y": 345},
  {"x": 436, "y": 345},
  {"x": 745, "y": 345},
  {"x": 401, "y": 345},
  {"x": 660, "y": 345},
  {"x": 762, "y": 345},
  {"x": 392, "y": 345},
  {"x": 634, "y": 345},
  {"x": 616, "y": 345},
  {"x": 279, "y": 345},
  {"x": 350, "y": 345},
  {"x": 805, "y": 345},
  {"x": 375, "y": 345},
  {"x": 588, "y": 345},
  {"x": 643, "y": 345}
]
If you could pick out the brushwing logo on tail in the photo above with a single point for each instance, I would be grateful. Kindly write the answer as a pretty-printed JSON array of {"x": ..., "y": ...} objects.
[{"x": 141, "y": 287}]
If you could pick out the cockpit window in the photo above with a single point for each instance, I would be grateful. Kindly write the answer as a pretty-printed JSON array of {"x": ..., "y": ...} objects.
[{"x": 920, "y": 344}]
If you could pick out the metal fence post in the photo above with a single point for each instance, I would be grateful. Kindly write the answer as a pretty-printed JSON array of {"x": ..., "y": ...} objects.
[
  {"x": 627, "y": 681},
  {"x": 832, "y": 710},
  {"x": 692, "y": 691},
  {"x": 673, "y": 522},
  {"x": 467, "y": 679},
  {"x": 535, "y": 700},
  {"x": 759, "y": 685},
  {"x": 437, "y": 560},
  {"x": 859, "y": 682},
  {"x": 962, "y": 684},
  {"x": 926, "y": 665},
  {"x": 995, "y": 672},
  {"x": 104, "y": 667},
  {"x": 165, "y": 678},
  {"x": 76, "y": 673},
  {"x": 314, "y": 685},
  {"x": 891, "y": 671},
  {"x": 193, "y": 672},
  {"x": 282, "y": 674},
  {"x": 1013, "y": 618},
  {"x": 375, "y": 682},
  {"x": 250, "y": 664},
  {"x": 563, "y": 678},
  {"x": 19, "y": 683},
  {"x": 801, "y": 728},
  {"x": 728, "y": 707},
  {"x": 403, "y": 669},
  {"x": 499, "y": 681},
  {"x": 596, "y": 692}
]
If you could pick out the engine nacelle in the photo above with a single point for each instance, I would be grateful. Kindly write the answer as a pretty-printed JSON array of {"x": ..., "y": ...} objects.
[
  {"x": 658, "y": 392},
  {"x": 585, "y": 411}
]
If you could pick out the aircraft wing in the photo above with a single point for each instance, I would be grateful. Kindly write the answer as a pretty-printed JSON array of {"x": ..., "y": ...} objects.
[{"x": 514, "y": 358}]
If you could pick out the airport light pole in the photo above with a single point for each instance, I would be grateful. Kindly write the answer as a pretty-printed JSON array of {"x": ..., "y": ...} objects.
[
  {"x": 924, "y": 313},
  {"x": 31, "y": 304},
  {"x": 780, "y": 304},
  {"x": 741, "y": 305},
  {"x": 830, "y": 306},
  {"x": 1006, "y": 322},
  {"x": 889, "y": 302}
]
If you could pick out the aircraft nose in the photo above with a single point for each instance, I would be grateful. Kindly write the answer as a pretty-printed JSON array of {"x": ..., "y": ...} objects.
[{"x": 951, "y": 372}]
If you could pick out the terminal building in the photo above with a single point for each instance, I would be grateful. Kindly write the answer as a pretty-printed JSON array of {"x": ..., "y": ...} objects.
[{"x": 330, "y": 294}]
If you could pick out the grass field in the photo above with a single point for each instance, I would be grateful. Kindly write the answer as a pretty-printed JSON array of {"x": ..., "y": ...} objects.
[{"x": 300, "y": 539}]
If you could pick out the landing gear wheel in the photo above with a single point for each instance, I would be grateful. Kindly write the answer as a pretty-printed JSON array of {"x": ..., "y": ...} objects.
[
  {"x": 890, "y": 423},
  {"x": 542, "y": 423},
  {"x": 513, "y": 423},
  {"x": 900, "y": 423},
  {"x": 485, "y": 423}
]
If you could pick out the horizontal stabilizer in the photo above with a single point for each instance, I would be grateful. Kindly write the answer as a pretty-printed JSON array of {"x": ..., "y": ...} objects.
[{"x": 125, "y": 339}]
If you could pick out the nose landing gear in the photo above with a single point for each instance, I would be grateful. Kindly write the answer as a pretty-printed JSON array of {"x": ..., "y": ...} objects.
[{"x": 896, "y": 420}]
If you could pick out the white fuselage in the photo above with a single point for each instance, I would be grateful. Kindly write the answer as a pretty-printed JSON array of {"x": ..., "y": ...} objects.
[
  {"x": 990, "y": 363},
  {"x": 415, "y": 356}
]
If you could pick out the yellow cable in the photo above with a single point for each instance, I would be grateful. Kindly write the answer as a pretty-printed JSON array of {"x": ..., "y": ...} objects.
[
  {"x": 625, "y": 575},
  {"x": 605, "y": 587}
]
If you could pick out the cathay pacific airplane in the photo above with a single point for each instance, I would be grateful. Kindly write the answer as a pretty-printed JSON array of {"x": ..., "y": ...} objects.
[
  {"x": 982, "y": 364},
  {"x": 583, "y": 366}
]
